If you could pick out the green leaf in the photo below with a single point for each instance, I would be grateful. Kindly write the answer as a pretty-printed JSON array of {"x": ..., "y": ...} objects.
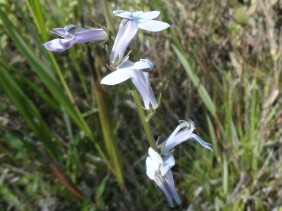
[
  {"x": 29, "y": 112},
  {"x": 196, "y": 81},
  {"x": 45, "y": 76}
]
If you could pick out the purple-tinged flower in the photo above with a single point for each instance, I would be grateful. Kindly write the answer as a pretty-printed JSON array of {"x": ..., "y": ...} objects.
[
  {"x": 158, "y": 169},
  {"x": 129, "y": 26},
  {"x": 139, "y": 75},
  {"x": 73, "y": 34},
  {"x": 183, "y": 132}
]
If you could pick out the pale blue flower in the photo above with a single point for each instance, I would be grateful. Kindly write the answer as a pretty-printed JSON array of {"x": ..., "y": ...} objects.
[
  {"x": 159, "y": 165},
  {"x": 128, "y": 29},
  {"x": 139, "y": 75},
  {"x": 158, "y": 169},
  {"x": 73, "y": 34},
  {"x": 183, "y": 132}
]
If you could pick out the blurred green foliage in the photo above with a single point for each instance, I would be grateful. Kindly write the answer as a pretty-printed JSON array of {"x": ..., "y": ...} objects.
[{"x": 219, "y": 65}]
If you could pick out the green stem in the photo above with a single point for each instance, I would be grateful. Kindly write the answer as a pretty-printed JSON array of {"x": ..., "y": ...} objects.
[
  {"x": 61, "y": 78},
  {"x": 103, "y": 111},
  {"x": 142, "y": 117},
  {"x": 107, "y": 129}
]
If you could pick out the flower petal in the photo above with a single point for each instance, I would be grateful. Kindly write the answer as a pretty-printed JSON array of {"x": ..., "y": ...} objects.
[
  {"x": 166, "y": 142},
  {"x": 126, "y": 64},
  {"x": 90, "y": 35},
  {"x": 204, "y": 144},
  {"x": 164, "y": 169},
  {"x": 117, "y": 77},
  {"x": 156, "y": 158},
  {"x": 164, "y": 189},
  {"x": 143, "y": 64},
  {"x": 152, "y": 25},
  {"x": 151, "y": 168},
  {"x": 61, "y": 32},
  {"x": 171, "y": 187},
  {"x": 169, "y": 160},
  {"x": 126, "y": 32},
  {"x": 123, "y": 14},
  {"x": 140, "y": 80},
  {"x": 59, "y": 45},
  {"x": 146, "y": 15},
  {"x": 73, "y": 28}
]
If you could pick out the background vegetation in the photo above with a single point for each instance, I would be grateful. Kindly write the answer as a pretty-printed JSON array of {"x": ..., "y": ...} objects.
[{"x": 219, "y": 64}]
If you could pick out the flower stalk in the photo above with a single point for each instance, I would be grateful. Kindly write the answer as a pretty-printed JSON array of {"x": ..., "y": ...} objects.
[{"x": 142, "y": 117}]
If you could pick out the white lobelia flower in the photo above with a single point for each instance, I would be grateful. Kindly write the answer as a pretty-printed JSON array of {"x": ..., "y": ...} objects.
[
  {"x": 183, "y": 132},
  {"x": 158, "y": 169},
  {"x": 129, "y": 26},
  {"x": 138, "y": 72},
  {"x": 73, "y": 34}
]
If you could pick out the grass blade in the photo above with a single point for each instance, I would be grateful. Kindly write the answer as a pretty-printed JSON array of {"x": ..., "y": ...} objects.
[
  {"x": 29, "y": 112},
  {"x": 196, "y": 81}
]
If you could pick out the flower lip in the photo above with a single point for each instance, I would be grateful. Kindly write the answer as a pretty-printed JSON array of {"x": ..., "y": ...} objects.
[
  {"x": 149, "y": 15},
  {"x": 59, "y": 45},
  {"x": 123, "y": 14},
  {"x": 144, "y": 64}
]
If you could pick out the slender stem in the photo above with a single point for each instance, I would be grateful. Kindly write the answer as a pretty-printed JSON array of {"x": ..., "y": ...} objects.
[
  {"x": 142, "y": 117},
  {"x": 62, "y": 79},
  {"x": 109, "y": 136}
]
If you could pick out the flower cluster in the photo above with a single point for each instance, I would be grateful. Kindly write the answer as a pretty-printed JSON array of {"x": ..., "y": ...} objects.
[
  {"x": 138, "y": 71},
  {"x": 158, "y": 164}
]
